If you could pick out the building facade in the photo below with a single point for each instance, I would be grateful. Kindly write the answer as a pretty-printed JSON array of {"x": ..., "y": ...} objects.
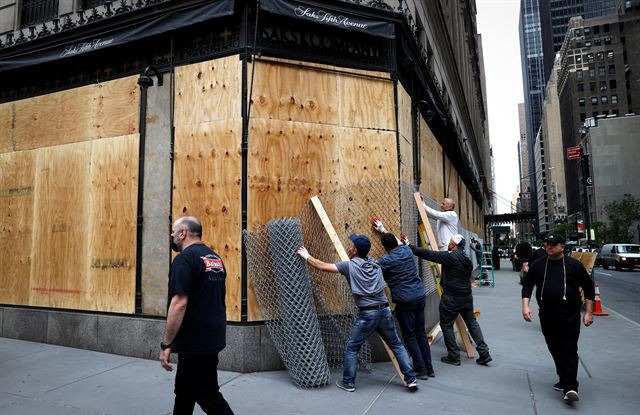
[{"x": 118, "y": 117}]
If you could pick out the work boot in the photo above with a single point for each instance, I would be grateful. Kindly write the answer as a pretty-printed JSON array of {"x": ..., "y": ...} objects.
[
  {"x": 423, "y": 375},
  {"x": 450, "y": 360},
  {"x": 484, "y": 359}
]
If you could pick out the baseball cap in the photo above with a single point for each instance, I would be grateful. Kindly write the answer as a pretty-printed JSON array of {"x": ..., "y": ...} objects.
[
  {"x": 458, "y": 239},
  {"x": 554, "y": 238},
  {"x": 362, "y": 243}
]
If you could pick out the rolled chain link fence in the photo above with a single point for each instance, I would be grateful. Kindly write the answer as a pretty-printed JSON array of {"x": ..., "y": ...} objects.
[{"x": 310, "y": 313}]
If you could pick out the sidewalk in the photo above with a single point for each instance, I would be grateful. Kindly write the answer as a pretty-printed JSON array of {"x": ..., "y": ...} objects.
[{"x": 40, "y": 378}]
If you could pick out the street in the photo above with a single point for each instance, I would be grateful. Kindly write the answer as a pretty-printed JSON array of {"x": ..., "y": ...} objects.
[{"x": 620, "y": 291}]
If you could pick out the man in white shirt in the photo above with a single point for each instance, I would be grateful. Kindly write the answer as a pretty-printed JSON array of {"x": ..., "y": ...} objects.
[{"x": 447, "y": 221}]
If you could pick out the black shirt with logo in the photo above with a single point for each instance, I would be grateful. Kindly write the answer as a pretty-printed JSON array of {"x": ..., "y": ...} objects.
[{"x": 199, "y": 273}]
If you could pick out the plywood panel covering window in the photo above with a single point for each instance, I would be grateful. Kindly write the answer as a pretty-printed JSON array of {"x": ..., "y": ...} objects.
[
  {"x": 208, "y": 91},
  {"x": 207, "y": 184},
  {"x": 6, "y": 129},
  {"x": 404, "y": 113},
  {"x": 95, "y": 111},
  {"x": 431, "y": 173},
  {"x": 366, "y": 103}
]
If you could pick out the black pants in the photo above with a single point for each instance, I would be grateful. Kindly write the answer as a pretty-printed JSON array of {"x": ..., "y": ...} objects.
[
  {"x": 197, "y": 381},
  {"x": 450, "y": 307},
  {"x": 410, "y": 316},
  {"x": 561, "y": 329}
]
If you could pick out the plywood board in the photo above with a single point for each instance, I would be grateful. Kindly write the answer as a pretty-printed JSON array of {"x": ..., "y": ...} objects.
[
  {"x": 404, "y": 113},
  {"x": 305, "y": 64},
  {"x": 290, "y": 93},
  {"x": 60, "y": 238},
  {"x": 113, "y": 193},
  {"x": 288, "y": 163},
  {"x": 367, "y": 155},
  {"x": 207, "y": 183},
  {"x": 431, "y": 173},
  {"x": 366, "y": 103},
  {"x": 464, "y": 211},
  {"x": 6, "y": 128},
  {"x": 80, "y": 114},
  {"x": 406, "y": 157},
  {"x": 16, "y": 215},
  {"x": 208, "y": 91}
]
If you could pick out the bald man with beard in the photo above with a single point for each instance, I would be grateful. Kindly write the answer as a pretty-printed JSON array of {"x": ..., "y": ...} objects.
[{"x": 446, "y": 221}]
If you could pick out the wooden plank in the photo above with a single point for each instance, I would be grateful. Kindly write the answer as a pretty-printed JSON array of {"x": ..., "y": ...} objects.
[
  {"x": 207, "y": 183},
  {"x": 113, "y": 193},
  {"x": 323, "y": 66},
  {"x": 431, "y": 163},
  {"x": 16, "y": 215},
  {"x": 433, "y": 244},
  {"x": 588, "y": 259},
  {"x": 59, "y": 253},
  {"x": 79, "y": 114},
  {"x": 404, "y": 114},
  {"x": 366, "y": 103},
  {"x": 208, "y": 91},
  {"x": 342, "y": 253},
  {"x": 290, "y": 93},
  {"x": 288, "y": 163}
]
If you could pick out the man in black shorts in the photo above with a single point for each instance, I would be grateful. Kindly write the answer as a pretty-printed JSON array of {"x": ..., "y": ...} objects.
[{"x": 196, "y": 320}]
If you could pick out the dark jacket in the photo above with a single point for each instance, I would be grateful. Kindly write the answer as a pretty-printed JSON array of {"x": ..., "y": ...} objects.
[
  {"x": 401, "y": 274},
  {"x": 456, "y": 269}
]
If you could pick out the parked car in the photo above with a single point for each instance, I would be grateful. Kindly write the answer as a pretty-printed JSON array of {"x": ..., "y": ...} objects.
[
  {"x": 620, "y": 256},
  {"x": 598, "y": 262}
]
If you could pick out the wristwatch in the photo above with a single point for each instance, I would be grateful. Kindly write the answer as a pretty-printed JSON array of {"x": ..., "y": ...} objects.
[{"x": 165, "y": 346}]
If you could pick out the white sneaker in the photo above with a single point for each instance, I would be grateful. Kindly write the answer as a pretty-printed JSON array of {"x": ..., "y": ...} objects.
[{"x": 571, "y": 396}]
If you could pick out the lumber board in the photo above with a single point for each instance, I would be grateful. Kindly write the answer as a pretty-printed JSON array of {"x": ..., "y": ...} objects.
[
  {"x": 404, "y": 113},
  {"x": 208, "y": 91},
  {"x": 16, "y": 216},
  {"x": 113, "y": 194},
  {"x": 342, "y": 253},
  {"x": 80, "y": 114},
  {"x": 291, "y": 93},
  {"x": 366, "y": 103},
  {"x": 588, "y": 259},
  {"x": 431, "y": 173},
  {"x": 207, "y": 183},
  {"x": 288, "y": 163},
  {"x": 433, "y": 244},
  {"x": 60, "y": 238}
]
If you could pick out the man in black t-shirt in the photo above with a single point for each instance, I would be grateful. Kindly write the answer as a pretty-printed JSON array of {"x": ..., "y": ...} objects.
[
  {"x": 196, "y": 320},
  {"x": 557, "y": 279}
]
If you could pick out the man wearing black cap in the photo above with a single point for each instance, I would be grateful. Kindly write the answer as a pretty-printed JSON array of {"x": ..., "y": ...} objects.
[
  {"x": 557, "y": 279},
  {"x": 456, "y": 298},
  {"x": 364, "y": 275}
]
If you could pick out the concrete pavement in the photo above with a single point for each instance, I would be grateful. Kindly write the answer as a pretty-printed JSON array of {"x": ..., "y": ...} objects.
[{"x": 40, "y": 378}]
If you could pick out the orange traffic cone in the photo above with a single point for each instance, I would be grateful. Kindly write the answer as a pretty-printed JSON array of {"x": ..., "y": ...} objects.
[{"x": 598, "y": 307}]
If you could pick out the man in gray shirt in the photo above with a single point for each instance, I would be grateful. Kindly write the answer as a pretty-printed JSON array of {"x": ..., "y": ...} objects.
[{"x": 367, "y": 285}]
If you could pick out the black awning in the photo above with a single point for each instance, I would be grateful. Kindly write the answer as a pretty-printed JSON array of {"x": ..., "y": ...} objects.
[
  {"x": 140, "y": 30},
  {"x": 315, "y": 14}
]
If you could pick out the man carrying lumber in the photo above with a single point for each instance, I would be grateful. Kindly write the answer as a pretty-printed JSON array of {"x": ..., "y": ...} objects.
[
  {"x": 408, "y": 294},
  {"x": 456, "y": 298},
  {"x": 364, "y": 275},
  {"x": 446, "y": 221}
]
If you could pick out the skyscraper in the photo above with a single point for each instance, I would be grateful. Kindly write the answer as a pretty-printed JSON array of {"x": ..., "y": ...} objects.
[{"x": 543, "y": 24}]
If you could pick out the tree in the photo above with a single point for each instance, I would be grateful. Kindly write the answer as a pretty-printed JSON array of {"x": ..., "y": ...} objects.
[
  {"x": 621, "y": 213},
  {"x": 564, "y": 229}
]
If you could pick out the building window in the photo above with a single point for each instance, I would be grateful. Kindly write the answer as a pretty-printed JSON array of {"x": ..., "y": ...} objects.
[
  {"x": 592, "y": 86},
  {"x": 614, "y": 99},
  {"x": 613, "y": 84},
  {"x": 609, "y": 54},
  {"x": 592, "y": 72},
  {"x": 580, "y": 87},
  {"x": 601, "y": 71},
  {"x": 604, "y": 99},
  {"x": 581, "y": 102},
  {"x": 600, "y": 56},
  {"x": 607, "y": 40},
  {"x": 597, "y": 41},
  {"x": 578, "y": 59},
  {"x": 587, "y": 31},
  {"x": 590, "y": 57},
  {"x": 583, "y": 116},
  {"x": 38, "y": 11},
  {"x": 596, "y": 30},
  {"x": 594, "y": 100},
  {"x": 587, "y": 44},
  {"x": 603, "y": 86},
  {"x": 577, "y": 32},
  {"x": 612, "y": 69},
  {"x": 606, "y": 28},
  {"x": 579, "y": 74}
]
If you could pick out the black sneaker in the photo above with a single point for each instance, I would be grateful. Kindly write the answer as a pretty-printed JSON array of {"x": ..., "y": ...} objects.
[
  {"x": 413, "y": 386},
  {"x": 431, "y": 373},
  {"x": 558, "y": 386},
  {"x": 345, "y": 387},
  {"x": 450, "y": 360},
  {"x": 571, "y": 396},
  {"x": 484, "y": 359},
  {"x": 422, "y": 375}
]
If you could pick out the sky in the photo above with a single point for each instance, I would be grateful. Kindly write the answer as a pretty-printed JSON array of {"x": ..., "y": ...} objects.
[{"x": 497, "y": 22}]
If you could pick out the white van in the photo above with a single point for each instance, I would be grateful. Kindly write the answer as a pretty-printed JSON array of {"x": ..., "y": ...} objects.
[{"x": 620, "y": 256}]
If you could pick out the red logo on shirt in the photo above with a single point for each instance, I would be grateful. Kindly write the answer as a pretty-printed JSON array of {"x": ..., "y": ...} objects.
[{"x": 212, "y": 264}]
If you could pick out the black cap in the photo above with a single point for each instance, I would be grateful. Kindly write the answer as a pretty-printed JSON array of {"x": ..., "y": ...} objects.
[
  {"x": 554, "y": 238},
  {"x": 362, "y": 244}
]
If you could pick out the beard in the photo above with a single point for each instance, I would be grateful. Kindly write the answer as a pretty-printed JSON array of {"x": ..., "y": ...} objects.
[{"x": 174, "y": 246}]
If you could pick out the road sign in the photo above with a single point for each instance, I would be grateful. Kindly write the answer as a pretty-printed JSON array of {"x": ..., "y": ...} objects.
[{"x": 574, "y": 153}]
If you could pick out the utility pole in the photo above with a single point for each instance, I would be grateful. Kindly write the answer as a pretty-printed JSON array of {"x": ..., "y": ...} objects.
[{"x": 586, "y": 182}]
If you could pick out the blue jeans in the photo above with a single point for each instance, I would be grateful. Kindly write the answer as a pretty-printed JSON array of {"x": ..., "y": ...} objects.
[
  {"x": 410, "y": 316},
  {"x": 380, "y": 321}
]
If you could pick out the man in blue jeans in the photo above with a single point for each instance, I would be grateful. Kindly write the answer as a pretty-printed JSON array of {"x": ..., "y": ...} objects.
[
  {"x": 408, "y": 293},
  {"x": 364, "y": 275}
]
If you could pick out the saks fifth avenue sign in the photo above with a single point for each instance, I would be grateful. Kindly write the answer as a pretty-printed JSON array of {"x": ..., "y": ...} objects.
[
  {"x": 83, "y": 47},
  {"x": 323, "y": 16}
]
